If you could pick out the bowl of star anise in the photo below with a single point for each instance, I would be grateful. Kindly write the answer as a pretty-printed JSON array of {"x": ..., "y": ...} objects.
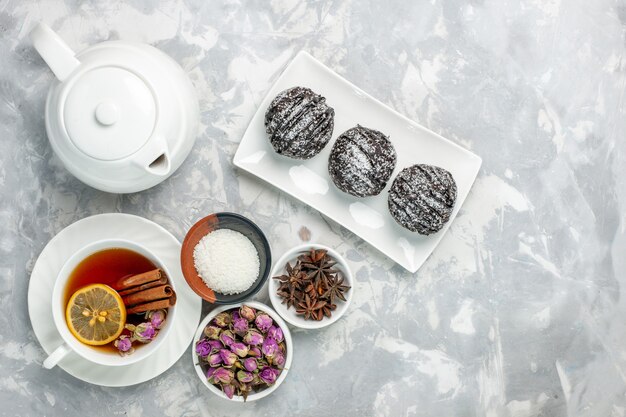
[{"x": 311, "y": 286}]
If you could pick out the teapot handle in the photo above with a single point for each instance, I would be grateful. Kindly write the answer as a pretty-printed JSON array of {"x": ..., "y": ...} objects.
[
  {"x": 154, "y": 157},
  {"x": 59, "y": 57}
]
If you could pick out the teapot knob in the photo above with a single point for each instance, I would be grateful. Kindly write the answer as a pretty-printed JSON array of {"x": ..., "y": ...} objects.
[{"x": 107, "y": 113}]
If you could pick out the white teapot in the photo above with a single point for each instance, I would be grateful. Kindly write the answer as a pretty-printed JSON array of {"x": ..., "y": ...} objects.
[{"x": 122, "y": 116}]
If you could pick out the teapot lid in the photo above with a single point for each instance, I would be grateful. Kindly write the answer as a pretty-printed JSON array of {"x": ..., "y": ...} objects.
[{"x": 109, "y": 113}]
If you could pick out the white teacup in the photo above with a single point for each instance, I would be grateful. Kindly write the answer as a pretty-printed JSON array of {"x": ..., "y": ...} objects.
[{"x": 91, "y": 353}]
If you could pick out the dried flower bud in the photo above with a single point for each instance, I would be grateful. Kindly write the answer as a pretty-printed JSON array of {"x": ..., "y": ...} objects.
[
  {"x": 222, "y": 319},
  {"x": 210, "y": 372},
  {"x": 156, "y": 317},
  {"x": 247, "y": 313},
  {"x": 222, "y": 375},
  {"x": 227, "y": 337},
  {"x": 244, "y": 390},
  {"x": 250, "y": 364},
  {"x": 144, "y": 332},
  {"x": 240, "y": 349},
  {"x": 279, "y": 359},
  {"x": 253, "y": 337},
  {"x": 212, "y": 332},
  {"x": 228, "y": 357},
  {"x": 263, "y": 322},
  {"x": 245, "y": 376},
  {"x": 275, "y": 333},
  {"x": 229, "y": 390},
  {"x": 214, "y": 359},
  {"x": 256, "y": 380},
  {"x": 270, "y": 347},
  {"x": 269, "y": 375},
  {"x": 215, "y": 345},
  {"x": 240, "y": 325},
  {"x": 255, "y": 352},
  {"x": 124, "y": 345},
  {"x": 203, "y": 348}
]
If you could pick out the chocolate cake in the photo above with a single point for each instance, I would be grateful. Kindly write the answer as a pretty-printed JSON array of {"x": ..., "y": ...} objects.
[
  {"x": 299, "y": 123},
  {"x": 361, "y": 161},
  {"x": 422, "y": 197}
]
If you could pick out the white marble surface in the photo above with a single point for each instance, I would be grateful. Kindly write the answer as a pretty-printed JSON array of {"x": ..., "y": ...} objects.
[{"x": 518, "y": 312}]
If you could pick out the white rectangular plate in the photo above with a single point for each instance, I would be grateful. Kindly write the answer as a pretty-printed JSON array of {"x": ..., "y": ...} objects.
[{"x": 309, "y": 182}]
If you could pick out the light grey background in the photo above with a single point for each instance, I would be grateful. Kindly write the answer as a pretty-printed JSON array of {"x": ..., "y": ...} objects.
[{"x": 518, "y": 312}]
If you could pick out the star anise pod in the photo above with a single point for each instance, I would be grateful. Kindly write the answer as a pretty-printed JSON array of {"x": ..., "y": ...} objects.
[
  {"x": 335, "y": 288},
  {"x": 294, "y": 279},
  {"x": 283, "y": 287},
  {"x": 328, "y": 308},
  {"x": 319, "y": 267},
  {"x": 282, "y": 278},
  {"x": 290, "y": 298},
  {"x": 299, "y": 280},
  {"x": 311, "y": 309},
  {"x": 313, "y": 256},
  {"x": 311, "y": 291},
  {"x": 291, "y": 270}
]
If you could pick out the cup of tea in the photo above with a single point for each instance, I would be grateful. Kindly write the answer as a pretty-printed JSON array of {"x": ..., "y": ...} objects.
[{"x": 112, "y": 303}]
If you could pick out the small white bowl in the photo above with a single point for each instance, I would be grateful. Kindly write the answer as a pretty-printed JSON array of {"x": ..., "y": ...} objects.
[
  {"x": 290, "y": 315},
  {"x": 288, "y": 358}
]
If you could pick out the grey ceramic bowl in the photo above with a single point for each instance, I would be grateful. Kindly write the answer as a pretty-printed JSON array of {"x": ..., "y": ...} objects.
[{"x": 239, "y": 224}]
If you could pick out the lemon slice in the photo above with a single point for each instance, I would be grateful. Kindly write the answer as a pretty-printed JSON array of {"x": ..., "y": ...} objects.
[{"x": 96, "y": 314}]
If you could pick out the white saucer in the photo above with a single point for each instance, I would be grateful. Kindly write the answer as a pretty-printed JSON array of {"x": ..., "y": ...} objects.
[{"x": 105, "y": 226}]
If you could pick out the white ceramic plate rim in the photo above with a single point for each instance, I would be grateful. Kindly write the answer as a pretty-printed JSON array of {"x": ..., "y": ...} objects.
[
  {"x": 288, "y": 342},
  {"x": 412, "y": 257},
  {"x": 289, "y": 315},
  {"x": 81, "y": 233}
]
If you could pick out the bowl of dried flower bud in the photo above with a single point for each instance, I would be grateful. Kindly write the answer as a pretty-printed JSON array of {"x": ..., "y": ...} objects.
[
  {"x": 311, "y": 286},
  {"x": 242, "y": 352}
]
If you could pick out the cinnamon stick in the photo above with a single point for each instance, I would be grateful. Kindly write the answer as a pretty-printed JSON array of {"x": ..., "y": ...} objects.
[
  {"x": 153, "y": 305},
  {"x": 151, "y": 294},
  {"x": 152, "y": 284},
  {"x": 139, "y": 279}
]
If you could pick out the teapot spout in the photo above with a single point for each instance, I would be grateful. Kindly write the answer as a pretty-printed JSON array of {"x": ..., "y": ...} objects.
[
  {"x": 59, "y": 57},
  {"x": 160, "y": 166},
  {"x": 154, "y": 157}
]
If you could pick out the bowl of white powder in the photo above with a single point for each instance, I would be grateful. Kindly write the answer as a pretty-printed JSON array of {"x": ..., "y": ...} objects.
[{"x": 225, "y": 258}]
